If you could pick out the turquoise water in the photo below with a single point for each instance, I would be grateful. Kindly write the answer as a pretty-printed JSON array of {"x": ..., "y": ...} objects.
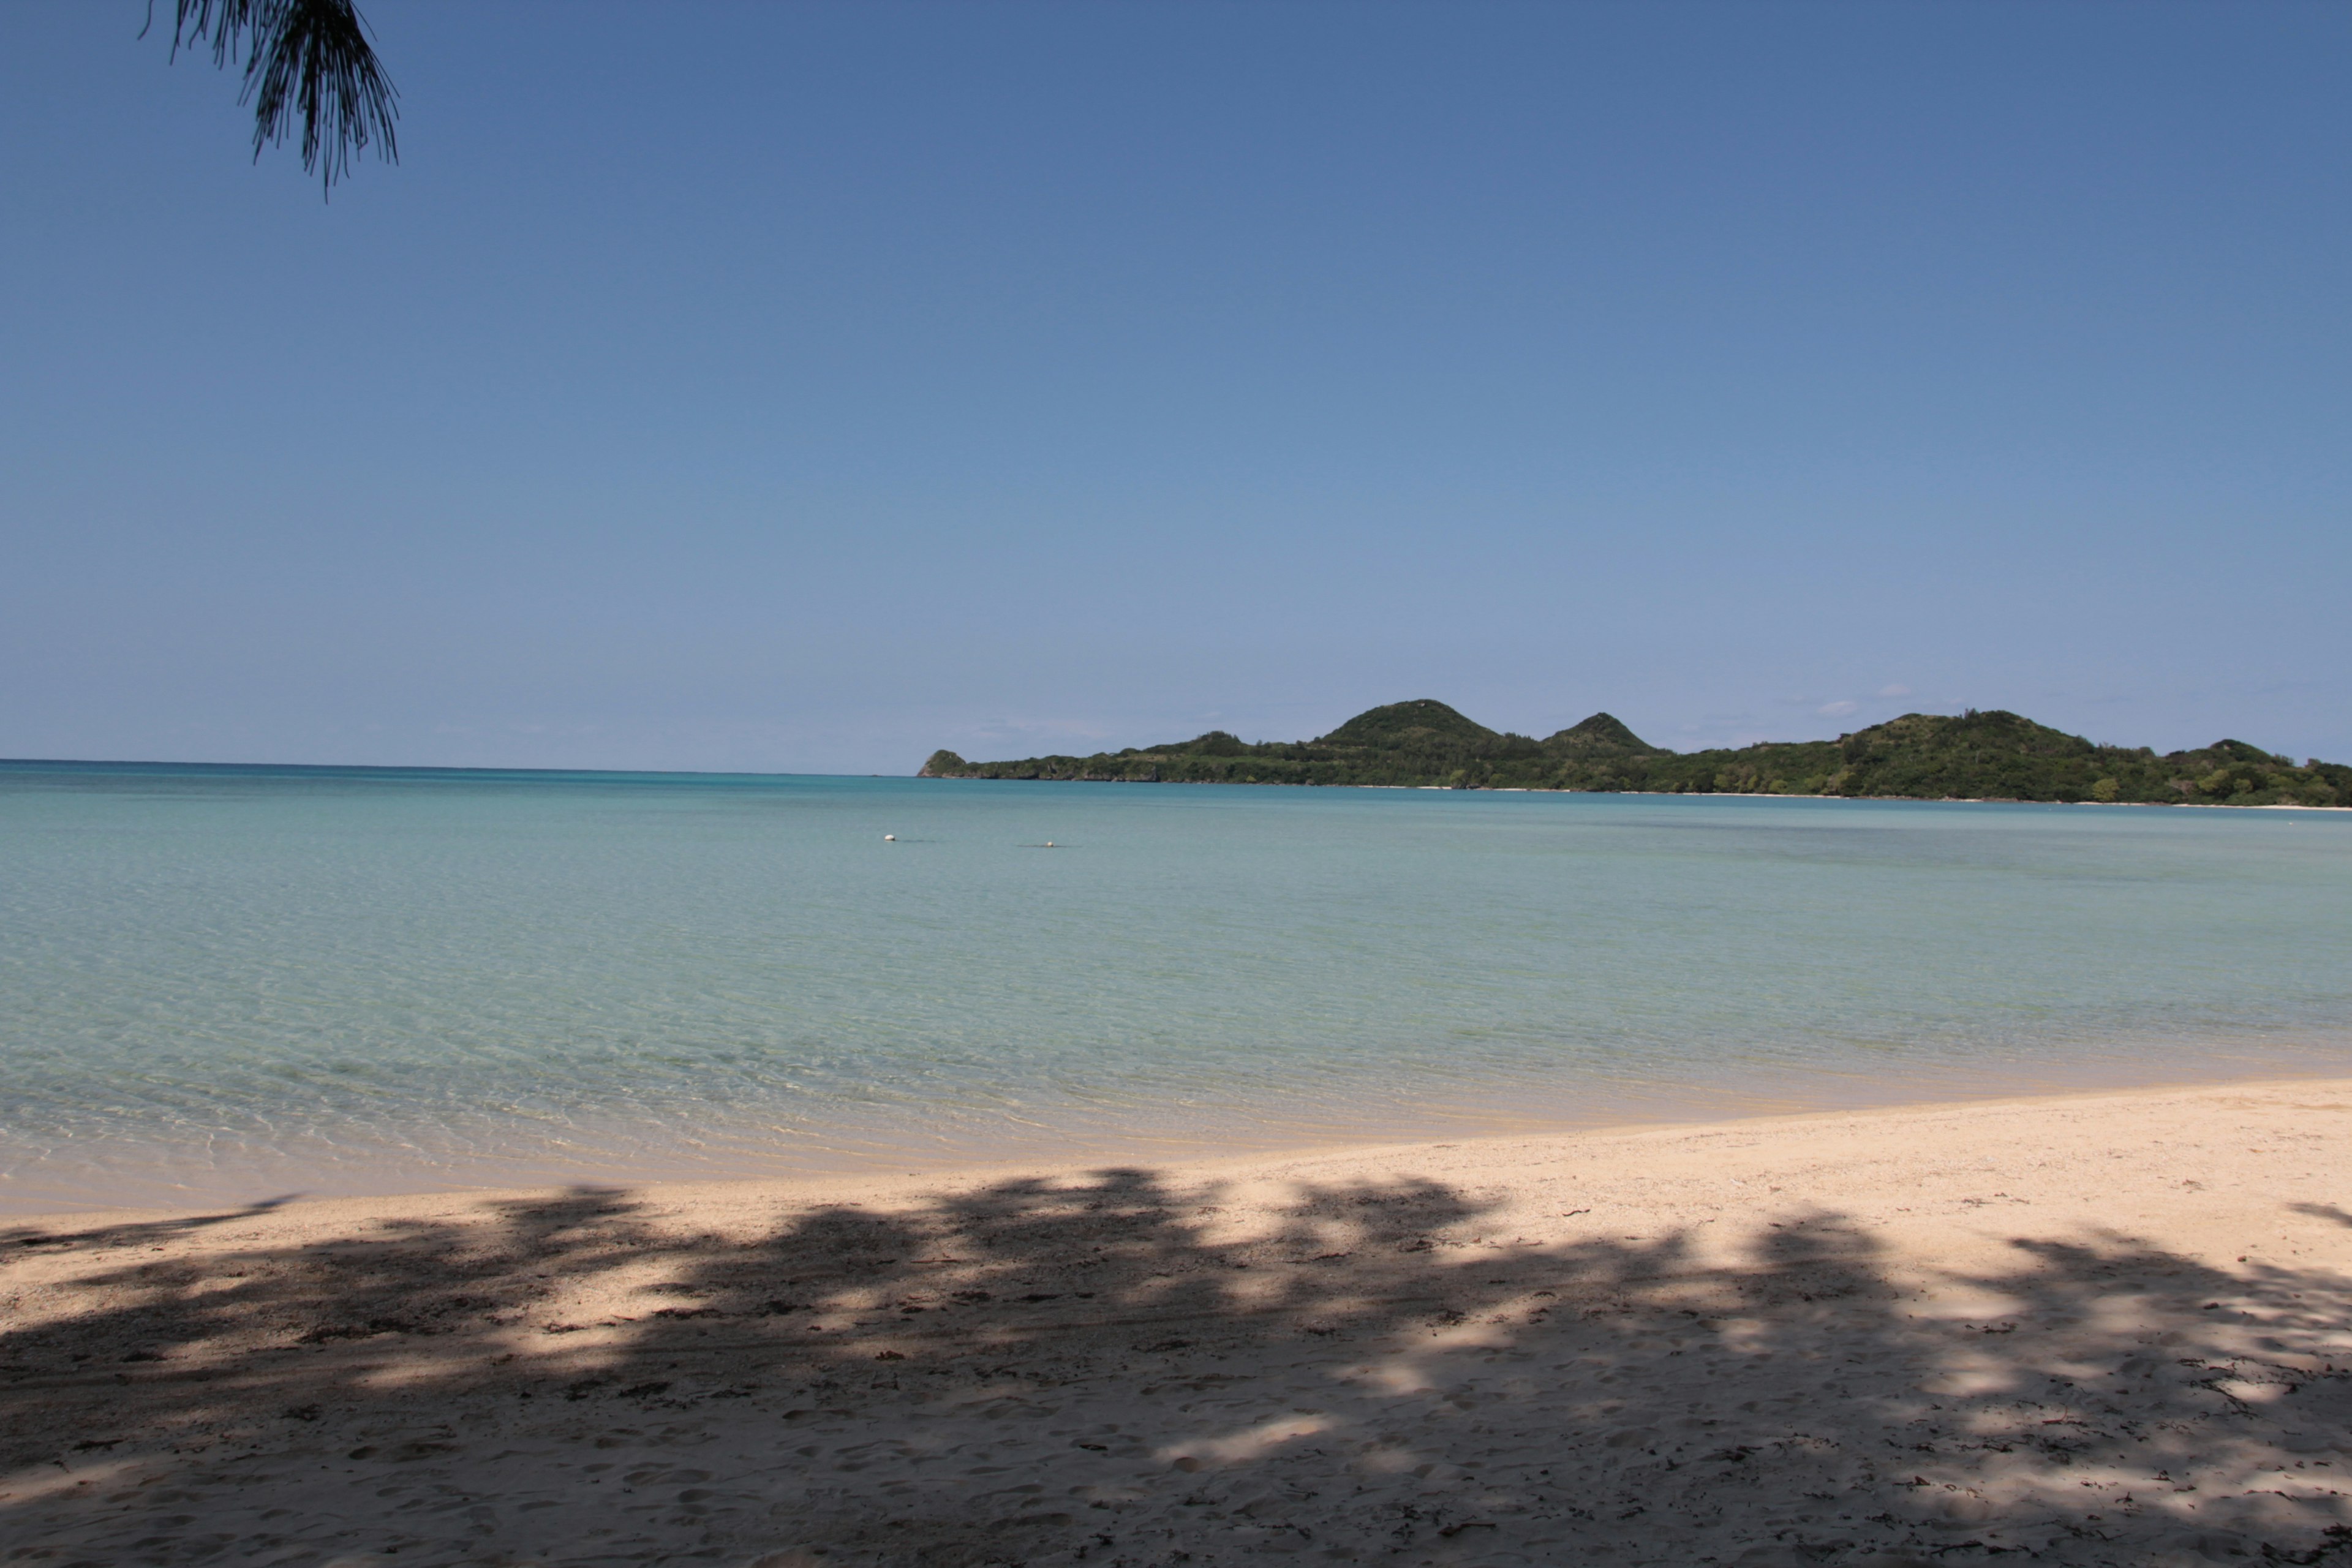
[{"x": 228, "y": 982}]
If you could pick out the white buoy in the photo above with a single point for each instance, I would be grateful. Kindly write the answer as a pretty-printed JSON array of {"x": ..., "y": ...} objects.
[
  {"x": 1049, "y": 844},
  {"x": 889, "y": 838}
]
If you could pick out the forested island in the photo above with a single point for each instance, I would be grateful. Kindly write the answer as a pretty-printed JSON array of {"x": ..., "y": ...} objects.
[{"x": 1989, "y": 755}]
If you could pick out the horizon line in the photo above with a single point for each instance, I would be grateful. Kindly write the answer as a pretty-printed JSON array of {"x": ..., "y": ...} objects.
[{"x": 421, "y": 768}]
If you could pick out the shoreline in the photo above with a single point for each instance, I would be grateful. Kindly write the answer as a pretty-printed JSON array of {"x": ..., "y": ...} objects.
[
  {"x": 954, "y": 1171},
  {"x": 2100, "y": 1327},
  {"x": 1308, "y": 1130},
  {"x": 1628, "y": 793}
]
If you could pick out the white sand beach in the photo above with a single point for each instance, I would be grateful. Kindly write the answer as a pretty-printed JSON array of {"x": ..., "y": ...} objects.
[{"x": 2104, "y": 1329}]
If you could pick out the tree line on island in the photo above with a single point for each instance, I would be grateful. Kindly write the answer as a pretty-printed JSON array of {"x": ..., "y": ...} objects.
[{"x": 1988, "y": 756}]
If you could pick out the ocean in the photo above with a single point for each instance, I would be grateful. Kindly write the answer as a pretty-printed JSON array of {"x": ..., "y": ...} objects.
[{"x": 223, "y": 984}]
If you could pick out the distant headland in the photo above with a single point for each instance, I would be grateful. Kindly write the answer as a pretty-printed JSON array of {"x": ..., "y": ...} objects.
[{"x": 1989, "y": 755}]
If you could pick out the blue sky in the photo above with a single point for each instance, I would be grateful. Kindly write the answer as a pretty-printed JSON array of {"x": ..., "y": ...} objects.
[{"x": 801, "y": 387}]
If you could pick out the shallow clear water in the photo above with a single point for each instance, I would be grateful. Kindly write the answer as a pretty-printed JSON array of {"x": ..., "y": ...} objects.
[{"x": 222, "y": 982}]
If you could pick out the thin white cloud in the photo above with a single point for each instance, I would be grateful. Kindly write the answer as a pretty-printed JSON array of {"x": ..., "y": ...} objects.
[
  {"x": 1897, "y": 690},
  {"x": 1836, "y": 710}
]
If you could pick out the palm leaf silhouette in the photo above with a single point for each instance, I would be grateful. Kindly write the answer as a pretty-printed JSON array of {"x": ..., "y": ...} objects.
[{"x": 307, "y": 60}]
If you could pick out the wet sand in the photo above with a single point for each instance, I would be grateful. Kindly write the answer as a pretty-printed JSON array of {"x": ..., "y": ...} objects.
[{"x": 2104, "y": 1329}]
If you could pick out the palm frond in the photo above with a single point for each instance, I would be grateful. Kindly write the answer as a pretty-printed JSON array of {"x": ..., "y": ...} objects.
[{"x": 304, "y": 60}]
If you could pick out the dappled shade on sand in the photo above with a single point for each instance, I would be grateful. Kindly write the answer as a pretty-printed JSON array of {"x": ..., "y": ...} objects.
[{"x": 1101, "y": 1368}]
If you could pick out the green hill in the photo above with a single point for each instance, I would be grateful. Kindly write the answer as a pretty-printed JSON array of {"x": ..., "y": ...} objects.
[
  {"x": 1603, "y": 735},
  {"x": 1418, "y": 724},
  {"x": 1990, "y": 755}
]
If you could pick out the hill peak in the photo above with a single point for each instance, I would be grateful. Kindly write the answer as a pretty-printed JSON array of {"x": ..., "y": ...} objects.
[
  {"x": 1403, "y": 723},
  {"x": 1602, "y": 732}
]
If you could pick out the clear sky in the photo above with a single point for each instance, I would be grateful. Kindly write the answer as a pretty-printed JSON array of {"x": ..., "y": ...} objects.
[{"x": 801, "y": 387}]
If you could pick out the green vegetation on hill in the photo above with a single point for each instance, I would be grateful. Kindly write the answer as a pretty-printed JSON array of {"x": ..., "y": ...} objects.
[{"x": 1990, "y": 755}]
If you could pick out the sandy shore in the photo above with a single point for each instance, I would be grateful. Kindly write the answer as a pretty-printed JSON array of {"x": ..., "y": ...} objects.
[{"x": 2099, "y": 1330}]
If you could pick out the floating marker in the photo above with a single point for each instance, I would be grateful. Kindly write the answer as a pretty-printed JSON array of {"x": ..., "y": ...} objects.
[{"x": 889, "y": 838}]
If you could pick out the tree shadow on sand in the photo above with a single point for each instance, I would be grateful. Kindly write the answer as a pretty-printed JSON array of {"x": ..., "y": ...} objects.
[{"x": 1116, "y": 1370}]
